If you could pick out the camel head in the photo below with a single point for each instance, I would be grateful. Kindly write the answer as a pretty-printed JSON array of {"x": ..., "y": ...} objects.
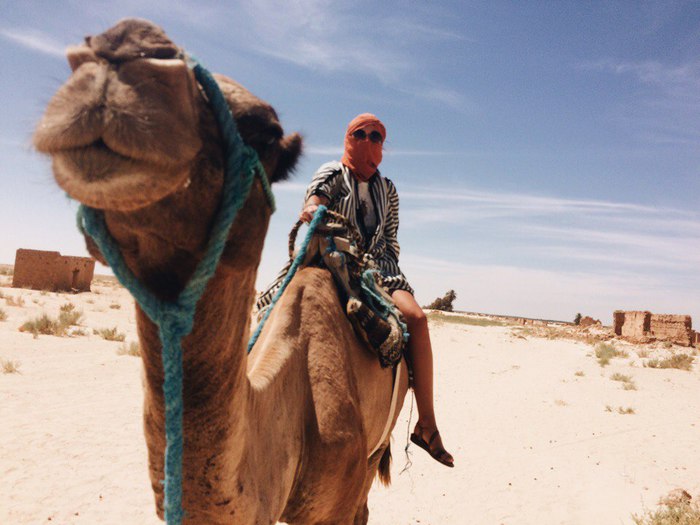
[{"x": 131, "y": 133}]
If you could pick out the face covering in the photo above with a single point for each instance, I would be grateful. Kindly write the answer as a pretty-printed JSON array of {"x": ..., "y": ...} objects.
[{"x": 363, "y": 156}]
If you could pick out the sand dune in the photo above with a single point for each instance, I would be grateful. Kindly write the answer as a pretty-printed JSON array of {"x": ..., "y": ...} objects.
[{"x": 535, "y": 425}]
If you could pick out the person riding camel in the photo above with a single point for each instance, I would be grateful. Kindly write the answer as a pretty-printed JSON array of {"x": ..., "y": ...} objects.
[{"x": 355, "y": 188}]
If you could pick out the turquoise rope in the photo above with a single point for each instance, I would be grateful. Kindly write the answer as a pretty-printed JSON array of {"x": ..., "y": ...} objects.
[
  {"x": 368, "y": 284},
  {"x": 301, "y": 255},
  {"x": 176, "y": 319}
]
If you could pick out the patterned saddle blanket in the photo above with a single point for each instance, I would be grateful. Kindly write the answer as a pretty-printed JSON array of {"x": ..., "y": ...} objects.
[{"x": 376, "y": 320}]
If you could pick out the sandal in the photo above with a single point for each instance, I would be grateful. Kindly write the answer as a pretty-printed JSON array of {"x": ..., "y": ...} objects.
[{"x": 438, "y": 453}]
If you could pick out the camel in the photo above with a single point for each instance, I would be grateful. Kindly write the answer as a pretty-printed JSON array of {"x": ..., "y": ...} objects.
[{"x": 284, "y": 433}]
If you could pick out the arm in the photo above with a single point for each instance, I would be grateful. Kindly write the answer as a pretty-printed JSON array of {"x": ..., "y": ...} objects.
[
  {"x": 311, "y": 205},
  {"x": 323, "y": 188}
]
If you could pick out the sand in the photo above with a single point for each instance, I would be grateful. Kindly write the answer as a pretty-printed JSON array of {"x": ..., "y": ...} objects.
[{"x": 534, "y": 424}]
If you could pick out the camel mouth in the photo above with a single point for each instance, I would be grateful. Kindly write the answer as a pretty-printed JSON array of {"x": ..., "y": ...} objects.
[{"x": 100, "y": 177}]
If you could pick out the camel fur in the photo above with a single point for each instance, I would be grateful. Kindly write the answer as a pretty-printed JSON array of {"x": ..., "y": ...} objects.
[{"x": 282, "y": 434}]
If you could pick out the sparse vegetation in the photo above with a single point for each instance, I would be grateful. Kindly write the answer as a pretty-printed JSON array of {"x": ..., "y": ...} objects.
[
  {"x": 9, "y": 366},
  {"x": 110, "y": 334},
  {"x": 577, "y": 319},
  {"x": 668, "y": 345},
  {"x": 132, "y": 348},
  {"x": 3, "y": 315},
  {"x": 579, "y": 373},
  {"x": 115, "y": 306},
  {"x": 44, "y": 325},
  {"x": 604, "y": 352},
  {"x": 679, "y": 361},
  {"x": 443, "y": 303},
  {"x": 627, "y": 381},
  {"x": 440, "y": 318},
  {"x": 14, "y": 301},
  {"x": 625, "y": 411},
  {"x": 7, "y": 270},
  {"x": 676, "y": 513},
  {"x": 78, "y": 332},
  {"x": 69, "y": 316}
]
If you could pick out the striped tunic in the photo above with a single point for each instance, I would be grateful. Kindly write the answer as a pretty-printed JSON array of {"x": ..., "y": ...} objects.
[{"x": 334, "y": 181}]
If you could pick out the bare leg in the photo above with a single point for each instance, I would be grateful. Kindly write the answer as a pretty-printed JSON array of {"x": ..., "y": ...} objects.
[{"x": 421, "y": 354}]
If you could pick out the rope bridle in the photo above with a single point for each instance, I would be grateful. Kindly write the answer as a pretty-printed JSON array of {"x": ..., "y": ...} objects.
[{"x": 175, "y": 319}]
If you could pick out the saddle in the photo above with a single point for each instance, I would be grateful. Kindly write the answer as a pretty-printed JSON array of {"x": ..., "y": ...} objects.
[{"x": 337, "y": 246}]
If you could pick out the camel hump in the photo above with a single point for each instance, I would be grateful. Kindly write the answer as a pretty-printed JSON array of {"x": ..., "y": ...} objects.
[{"x": 133, "y": 38}]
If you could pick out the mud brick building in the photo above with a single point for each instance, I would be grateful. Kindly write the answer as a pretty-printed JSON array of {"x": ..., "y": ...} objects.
[
  {"x": 643, "y": 327},
  {"x": 43, "y": 270}
]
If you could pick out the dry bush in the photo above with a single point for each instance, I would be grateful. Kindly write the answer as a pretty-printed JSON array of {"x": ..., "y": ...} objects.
[
  {"x": 7, "y": 270},
  {"x": 132, "y": 348},
  {"x": 676, "y": 513},
  {"x": 679, "y": 361},
  {"x": 14, "y": 301},
  {"x": 110, "y": 334},
  {"x": 70, "y": 318},
  {"x": 627, "y": 381},
  {"x": 579, "y": 373},
  {"x": 625, "y": 411},
  {"x": 604, "y": 352},
  {"x": 10, "y": 367},
  {"x": 3, "y": 315},
  {"x": 115, "y": 306},
  {"x": 44, "y": 325}
]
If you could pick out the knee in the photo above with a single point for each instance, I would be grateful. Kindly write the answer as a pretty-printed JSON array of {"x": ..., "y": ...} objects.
[{"x": 415, "y": 317}]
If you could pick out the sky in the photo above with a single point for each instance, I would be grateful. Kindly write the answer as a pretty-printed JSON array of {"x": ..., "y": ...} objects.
[{"x": 545, "y": 153}]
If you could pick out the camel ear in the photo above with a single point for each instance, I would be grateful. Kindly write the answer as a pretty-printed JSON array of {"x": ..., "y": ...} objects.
[{"x": 290, "y": 151}]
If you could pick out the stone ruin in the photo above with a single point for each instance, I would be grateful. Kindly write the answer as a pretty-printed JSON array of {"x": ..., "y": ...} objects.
[
  {"x": 43, "y": 270},
  {"x": 587, "y": 321},
  {"x": 645, "y": 327}
]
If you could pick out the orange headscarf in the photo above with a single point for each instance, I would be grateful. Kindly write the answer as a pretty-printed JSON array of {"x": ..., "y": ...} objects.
[{"x": 363, "y": 156}]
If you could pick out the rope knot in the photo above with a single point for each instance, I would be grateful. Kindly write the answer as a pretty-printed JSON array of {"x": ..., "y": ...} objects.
[{"x": 175, "y": 322}]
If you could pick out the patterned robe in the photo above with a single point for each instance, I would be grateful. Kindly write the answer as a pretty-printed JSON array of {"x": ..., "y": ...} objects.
[{"x": 334, "y": 181}]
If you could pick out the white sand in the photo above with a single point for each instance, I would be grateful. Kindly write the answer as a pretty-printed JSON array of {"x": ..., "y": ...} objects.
[{"x": 534, "y": 443}]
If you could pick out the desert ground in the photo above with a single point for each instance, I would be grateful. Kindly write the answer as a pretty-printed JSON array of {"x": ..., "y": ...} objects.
[{"x": 542, "y": 433}]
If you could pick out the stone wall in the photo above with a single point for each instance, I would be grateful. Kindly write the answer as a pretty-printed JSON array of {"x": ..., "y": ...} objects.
[
  {"x": 643, "y": 327},
  {"x": 674, "y": 328},
  {"x": 44, "y": 270}
]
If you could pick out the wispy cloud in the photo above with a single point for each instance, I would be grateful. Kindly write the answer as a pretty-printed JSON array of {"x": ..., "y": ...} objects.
[
  {"x": 666, "y": 111},
  {"x": 337, "y": 38},
  {"x": 35, "y": 40}
]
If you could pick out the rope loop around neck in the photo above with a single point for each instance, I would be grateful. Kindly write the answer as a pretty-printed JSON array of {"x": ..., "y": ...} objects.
[{"x": 175, "y": 320}]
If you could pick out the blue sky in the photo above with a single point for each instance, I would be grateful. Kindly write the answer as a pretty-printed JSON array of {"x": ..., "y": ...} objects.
[{"x": 546, "y": 153}]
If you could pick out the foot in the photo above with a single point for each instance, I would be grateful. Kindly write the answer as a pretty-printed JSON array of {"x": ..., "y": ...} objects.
[{"x": 429, "y": 440}]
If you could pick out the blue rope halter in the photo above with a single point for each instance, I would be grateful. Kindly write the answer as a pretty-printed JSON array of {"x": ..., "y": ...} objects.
[{"x": 175, "y": 319}]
